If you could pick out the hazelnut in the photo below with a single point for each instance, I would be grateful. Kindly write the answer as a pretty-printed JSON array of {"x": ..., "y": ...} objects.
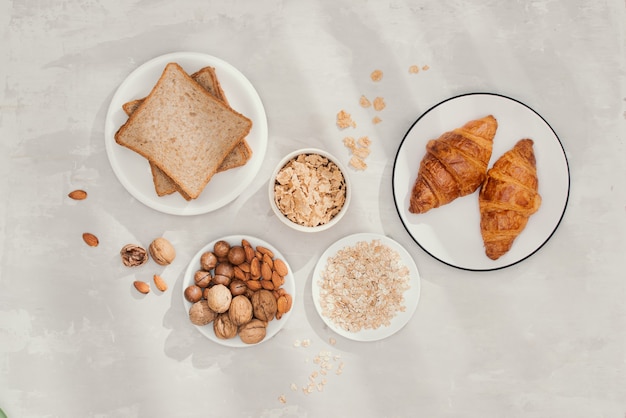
[
  {"x": 202, "y": 278},
  {"x": 224, "y": 327},
  {"x": 225, "y": 269},
  {"x": 237, "y": 287},
  {"x": 162, "y": 251},
  {"x": 236, "y": 255},
  {"x": 240, "y": 310},
  {"x": 221, "y": 249},
  {"x": 253, "y": 331},
  {"x": 208, "y": 261},
  {"x": 219, "y": 298},
  {"x": 200, "y": 313},
  {"x": 193, "y": 293},
  {"x": 221, "y": 279},
  {"x": 133, "y": 255},
  {"x": 264, "y": 305}
]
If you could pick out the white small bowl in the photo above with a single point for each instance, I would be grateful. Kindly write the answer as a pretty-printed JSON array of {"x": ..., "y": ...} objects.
[{"x": 293, "y": 224}]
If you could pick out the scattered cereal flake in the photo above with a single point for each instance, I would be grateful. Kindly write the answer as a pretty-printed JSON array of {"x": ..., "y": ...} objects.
[
  {"x": 364, "y": 102},
  {"x": 361, "y": 152},
  {"x": 358, "y": 163},
  {"x": 320, "y": 387},
  {"x": 365, "y": 141},
  {"x": 349, "y": 142},
  {"x": 425, "y": 68},
  {"x": 294, "y": 387},
  {"x": 306, "y": 343},
  {"x": 297, "y": 343},
  {"x": 355, "y": 295},
  {"x": 376, "y": 75},
  {"x": 344, "y": 120},
  {"x": 414, "y": 69},
  {"x": 282, "y": 399},
  {"x": 379, "y": 104},
  {"x": 332, "y": 341},
  {"x": 376, "y": 120}
]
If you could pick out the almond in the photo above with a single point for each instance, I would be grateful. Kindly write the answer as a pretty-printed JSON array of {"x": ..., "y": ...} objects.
[
  {"x": 280, "y": 267},
  {"x": 277, "y": 279},
  {"x": 267, "y": 284},
  {"x": 78, "y": 195},
  {"x": 160, "y": 283},
  {"x": 254, "y": 284},
  {"x": 255, "y": 268},
  {"x": 267, "y": 259},
  {"x": 264, "y": 250},
  {"x": 266, "y": 271},
  {"x": 90, "y": 239},
  {"x": 142, "y": 287}
]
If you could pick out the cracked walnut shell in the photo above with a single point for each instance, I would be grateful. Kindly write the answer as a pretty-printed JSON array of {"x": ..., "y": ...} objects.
[{"x": 133, "y": 255}]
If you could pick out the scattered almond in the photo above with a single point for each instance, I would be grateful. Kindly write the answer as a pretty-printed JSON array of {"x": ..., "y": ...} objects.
[
  {"x": 90, "y": 239},
  {"x": 280, "y": 267},
  {"x": 142, "y": 287},
  {"x": 160, "y": 283},
  {"x": 78, "y": 195}
]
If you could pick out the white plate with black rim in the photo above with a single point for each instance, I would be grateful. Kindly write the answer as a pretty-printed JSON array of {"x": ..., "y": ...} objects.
[
  {"x": 410, "y": 296},
  {"x": 451, "y": 233},
  {"x": 273, "y": 326},
  {"x": 133, "y": 171}
]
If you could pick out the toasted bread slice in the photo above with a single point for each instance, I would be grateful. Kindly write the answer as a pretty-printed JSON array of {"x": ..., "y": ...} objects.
[
  {"x": 240, "y": 155},
  {"x": 183, "y": 130}
]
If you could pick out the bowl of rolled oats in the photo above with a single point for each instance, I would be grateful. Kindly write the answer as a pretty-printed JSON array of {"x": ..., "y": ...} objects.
[{"x": 309, "y": 190}]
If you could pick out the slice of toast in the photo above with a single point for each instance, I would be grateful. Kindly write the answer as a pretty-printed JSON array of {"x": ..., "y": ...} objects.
[
  {"x": 240, "y": 155},
  {"x": 183, "y": 130}
]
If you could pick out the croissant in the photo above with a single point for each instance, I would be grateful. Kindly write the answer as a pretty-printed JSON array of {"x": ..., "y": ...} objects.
[
  {"x": 455, "y": 165},
  {"x": 508, "y": 197}
]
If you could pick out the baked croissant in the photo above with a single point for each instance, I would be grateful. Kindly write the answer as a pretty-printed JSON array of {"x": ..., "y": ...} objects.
[
  {"x": 455, "y": 165},
  {"x": 508, "y": 197}
]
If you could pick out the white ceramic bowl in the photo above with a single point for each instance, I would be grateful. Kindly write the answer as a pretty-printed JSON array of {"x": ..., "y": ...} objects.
[
  {"x": 275, "y": 325},
  {"x": 293, "y": 224}
]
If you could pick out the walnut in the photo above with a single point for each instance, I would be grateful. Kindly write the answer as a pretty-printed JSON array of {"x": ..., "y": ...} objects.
[
  {"x": 224, "y": 327},
  {"x": 162, "y": 251},
  {"x": 240, "y": 311},
  {"x": 253, "y": 332},
  {"x": 133, "y": 255},
  {"x": 219, "y": 298},
  {"x": 264, "y": 305},
  {"x": 200, "y": 313}
]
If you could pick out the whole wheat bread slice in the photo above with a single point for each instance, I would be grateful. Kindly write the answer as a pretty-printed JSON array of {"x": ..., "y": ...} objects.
[
  {"x": 183, "y": 130},
  {"x": 239, "y": 156}
]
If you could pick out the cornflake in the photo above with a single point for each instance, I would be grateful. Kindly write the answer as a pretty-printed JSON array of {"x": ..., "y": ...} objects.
[
  {"x": 364, "y": 102},
  {"x": 310, "y": 190},
  {"x": 414, "y": 69},
  {"x": 376, "y": 120},
  {"x": 376, "y": 75},
  {"x": 344, "y": 120},
  {"x": 379, "y": 104},
  {"x": 362, "y": 286}
]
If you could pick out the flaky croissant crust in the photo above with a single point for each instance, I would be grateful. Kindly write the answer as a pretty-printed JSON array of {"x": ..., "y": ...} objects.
[
  {"x": 508, "y": 197},
  {"x": 455, "y": 165}
]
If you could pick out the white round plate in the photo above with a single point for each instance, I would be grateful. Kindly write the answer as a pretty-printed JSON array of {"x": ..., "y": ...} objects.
[
  {"x": 451, "y": 233},
  {"x": 133, "y": 171},
  {"x": 411, "y": 295},
  {"x": 274, "y": 325}
]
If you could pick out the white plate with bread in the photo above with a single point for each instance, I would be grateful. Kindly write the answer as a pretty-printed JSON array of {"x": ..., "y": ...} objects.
[
  {"x": 458, "y": 233},
  {"x": 186, "y": 133}
]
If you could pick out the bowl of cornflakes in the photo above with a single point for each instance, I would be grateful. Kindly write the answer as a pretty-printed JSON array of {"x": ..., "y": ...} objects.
[{"x": 309, "y": 190}]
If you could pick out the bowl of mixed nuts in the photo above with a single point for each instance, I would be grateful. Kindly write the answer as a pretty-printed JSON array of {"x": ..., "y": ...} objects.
[
  {"x": 309, "y": 190},
  {"x": 238, "y": 290}
]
